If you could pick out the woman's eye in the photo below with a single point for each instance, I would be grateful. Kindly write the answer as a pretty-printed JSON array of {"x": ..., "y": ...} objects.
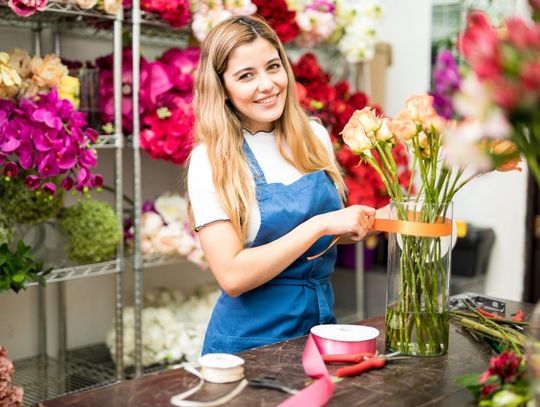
[
  {"x": 273, "y": 67},
  {"x": 245, "y": 76}
]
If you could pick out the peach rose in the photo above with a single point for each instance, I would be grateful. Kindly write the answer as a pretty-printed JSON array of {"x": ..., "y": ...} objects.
[
  {"x": 8, "y": 76},
  {"x": 384, "y": 133},
  {"x": 355, "y": 137},
  {"x": 47, "y": 71},
  {"x": 402, "y": 126},
  {"x": 420, "y": 107}
]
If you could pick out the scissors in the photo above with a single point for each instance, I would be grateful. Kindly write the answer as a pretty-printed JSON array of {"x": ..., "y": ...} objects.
[
  {"x": 271, "y": 382},
  {"x": 363, "y": 362}
]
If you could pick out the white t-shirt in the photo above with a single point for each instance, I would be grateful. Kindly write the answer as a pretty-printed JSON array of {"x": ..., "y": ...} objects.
[{"x": 202, "y": 193}]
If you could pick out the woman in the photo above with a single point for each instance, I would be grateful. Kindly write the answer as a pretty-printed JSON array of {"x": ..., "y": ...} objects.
[{"x": 265, "y": 192}]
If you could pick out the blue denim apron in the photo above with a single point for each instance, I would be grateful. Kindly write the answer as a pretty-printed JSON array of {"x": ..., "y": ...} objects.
[{"x": 301, "y": 296}]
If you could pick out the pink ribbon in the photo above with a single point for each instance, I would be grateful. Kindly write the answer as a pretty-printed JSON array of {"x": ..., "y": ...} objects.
[{"x": 318, "y": 393}]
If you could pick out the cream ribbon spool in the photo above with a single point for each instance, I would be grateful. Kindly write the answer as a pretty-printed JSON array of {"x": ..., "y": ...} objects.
[{"x": 215, "y": 368}]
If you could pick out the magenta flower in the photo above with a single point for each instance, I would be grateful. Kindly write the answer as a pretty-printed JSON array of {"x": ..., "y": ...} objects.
[
  {"x": 97, "y": 181},
  {"x": 46, "y": 137},
  {"x": 26, "y": 8},
  {"x": 181, "y": 65},
  {"x": 50, "y": 188},
  {"x": 32, "y": 182},
  {"x": 11, "y": 169}
]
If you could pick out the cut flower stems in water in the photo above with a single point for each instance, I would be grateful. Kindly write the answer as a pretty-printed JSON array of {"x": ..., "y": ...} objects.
[{"x": 419, "y": 261}]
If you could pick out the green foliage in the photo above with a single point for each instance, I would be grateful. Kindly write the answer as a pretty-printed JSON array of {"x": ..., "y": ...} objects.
[
  {"x": 6, "y": 232},
  {"x": 19, "y": 267},
  {"x": 21, "y": 205},
  {"x": 93, "y": 230}
]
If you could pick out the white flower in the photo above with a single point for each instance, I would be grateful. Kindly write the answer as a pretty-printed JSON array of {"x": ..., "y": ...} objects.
[
  {"x": 245, "y": 7},
  {"x": 202, "y": 23},
  {"x": 151, "y": 222},
  {"x": 171, "y": 207}
]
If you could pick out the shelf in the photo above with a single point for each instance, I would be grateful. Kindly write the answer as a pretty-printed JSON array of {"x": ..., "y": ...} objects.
[
  {"x": 55, "y": 12},
  {"x": 156, "y": 260},
  {"x": 85, "y": 270},
  {"x": 84, "y": 369},
  {"x": 107, "y": 141}
]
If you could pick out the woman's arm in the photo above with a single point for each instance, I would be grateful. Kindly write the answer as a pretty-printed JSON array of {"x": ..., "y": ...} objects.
[
  {"x": 238, "y": 269},
  {"x": 381, "y": 213}
]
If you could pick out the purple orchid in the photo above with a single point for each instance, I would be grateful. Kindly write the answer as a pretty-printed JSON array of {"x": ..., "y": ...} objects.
[
  {"x": 44, "y": 138},
  {"x": 446, "y": 80}
]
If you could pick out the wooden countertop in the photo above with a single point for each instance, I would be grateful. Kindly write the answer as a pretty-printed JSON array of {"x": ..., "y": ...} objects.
[{"x": 418, "y": 381}]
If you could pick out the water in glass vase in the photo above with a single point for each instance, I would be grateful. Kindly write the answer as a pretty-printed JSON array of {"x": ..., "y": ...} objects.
[
  {"x": 416, "y": 333},
  {"x": 419, "y": 278}
]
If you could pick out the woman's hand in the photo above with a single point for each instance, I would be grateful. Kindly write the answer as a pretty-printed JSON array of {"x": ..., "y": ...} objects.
[{"x": 354, "y": 221}]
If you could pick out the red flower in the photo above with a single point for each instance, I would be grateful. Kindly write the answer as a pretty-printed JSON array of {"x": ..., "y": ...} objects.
[{"x": 279, "y": 17}]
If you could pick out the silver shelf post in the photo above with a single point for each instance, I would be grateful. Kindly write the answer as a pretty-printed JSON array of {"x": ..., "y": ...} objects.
[
  {"x": 137, "y": 259},
  {"x": 117, "y": 72},
  {"x": 42, "y": 293}
]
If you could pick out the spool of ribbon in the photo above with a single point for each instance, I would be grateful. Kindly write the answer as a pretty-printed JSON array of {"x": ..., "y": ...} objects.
[
  {"x": 326, "y": 340},
  {"x": 215, "y": 368},
  {"x": 413, "y": 227}
]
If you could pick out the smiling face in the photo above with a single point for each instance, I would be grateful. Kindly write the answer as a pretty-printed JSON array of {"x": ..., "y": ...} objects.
[{"x": 256, "y": 84}]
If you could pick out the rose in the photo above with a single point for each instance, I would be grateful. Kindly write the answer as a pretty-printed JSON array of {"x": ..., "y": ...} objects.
[{"x": 26, "y": 8}]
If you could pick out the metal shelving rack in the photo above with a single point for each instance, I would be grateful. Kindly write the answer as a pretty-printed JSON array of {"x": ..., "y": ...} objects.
[
  {"x": 44, "y": 376},
  {"x": 144, "y": 28}
]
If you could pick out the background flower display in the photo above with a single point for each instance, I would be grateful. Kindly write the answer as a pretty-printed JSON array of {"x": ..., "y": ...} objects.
[
  {"x": 10, "y": 396},
  {"x": 499, "y": 93},
  {"x": 174, "y": 326},
  {"x": 26, "y": 8},
  {"x": 349, "y": 25},
  {"x": 208, "y": 13},
  {"x": 165, "y": 230},
  {"x": 334, "y": 104},
  {"x": 166, "y": 92}
]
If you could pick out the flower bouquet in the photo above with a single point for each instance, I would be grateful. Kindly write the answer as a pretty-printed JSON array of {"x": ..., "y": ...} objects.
[
  {"x": 10, "y": 395},
  {"x": 419, "y": 250}
]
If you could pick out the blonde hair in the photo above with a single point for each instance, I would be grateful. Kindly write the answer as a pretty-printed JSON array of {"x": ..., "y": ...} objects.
[{"x": 218, "y": 127}]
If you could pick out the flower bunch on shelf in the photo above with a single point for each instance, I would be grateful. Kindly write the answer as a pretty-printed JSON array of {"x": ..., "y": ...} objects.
[
  {"x": 281, "y": 18},
  {"x": 351, "y": 25},
  {"x": 177, "y": 13},
  {"x": 44, "y": 141},
  {"x": 165, "y": 230},
  {"x": 499, "y": 93},
  {"x": 209, "y": 13},
  {"x": 174, "y": 327},
  {"x": 24, "y": 76},
  {"x": 93, "y": 230},
  {"x": 334, "y": 104},
  {"x": 26, "y": 8},
  {"x": 166, "y": 92},
  {"x": 10, "y": 395}
]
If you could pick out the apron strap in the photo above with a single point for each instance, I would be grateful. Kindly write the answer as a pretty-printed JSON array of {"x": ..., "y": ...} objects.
[{"x": 254, "y": 165}]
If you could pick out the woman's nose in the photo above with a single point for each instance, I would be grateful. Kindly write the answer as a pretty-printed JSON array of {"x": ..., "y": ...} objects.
[{"x": 265, "y": 82}]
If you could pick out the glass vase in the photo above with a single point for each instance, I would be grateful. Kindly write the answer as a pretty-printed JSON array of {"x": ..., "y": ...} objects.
[{"x": 419, "y": 264}]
